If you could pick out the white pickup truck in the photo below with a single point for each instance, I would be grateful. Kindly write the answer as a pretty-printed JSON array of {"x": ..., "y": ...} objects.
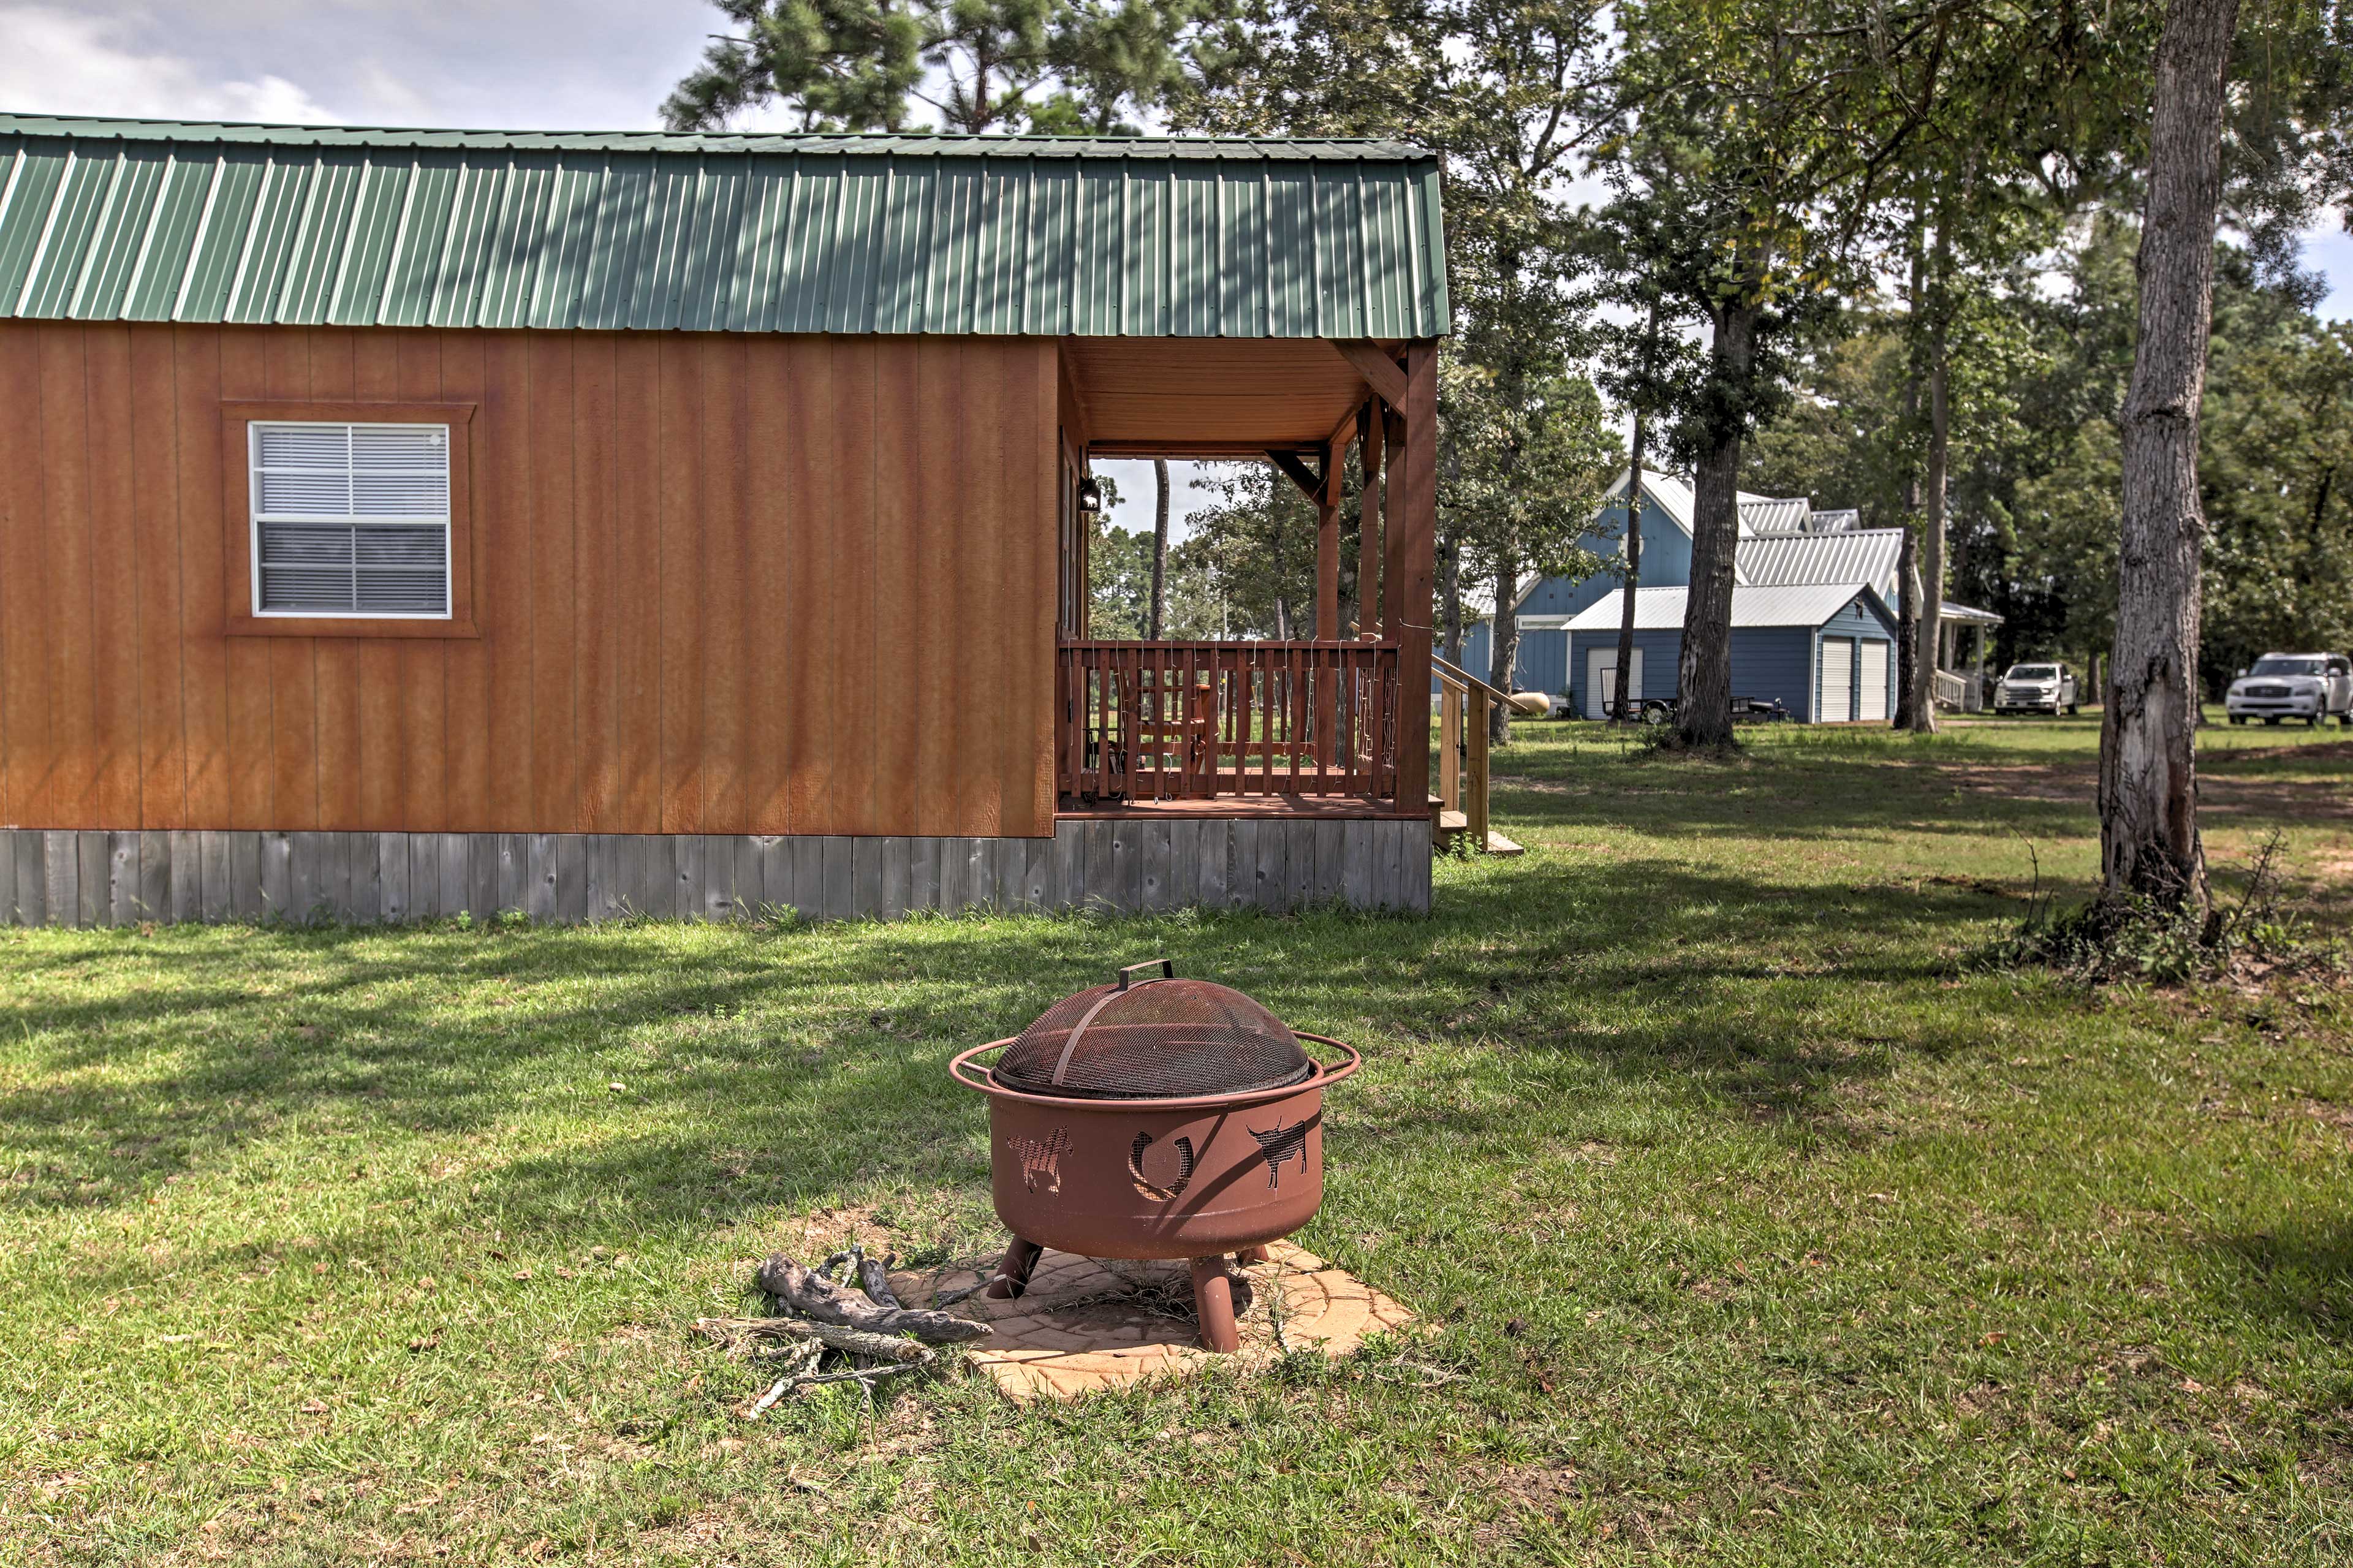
[
  {"x": 2313, "y": 687},
  {"x": 2036, "y": 689}
]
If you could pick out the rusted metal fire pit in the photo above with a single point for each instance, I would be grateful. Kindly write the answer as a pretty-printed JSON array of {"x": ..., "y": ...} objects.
[{"x": 1155, "y": 1118}]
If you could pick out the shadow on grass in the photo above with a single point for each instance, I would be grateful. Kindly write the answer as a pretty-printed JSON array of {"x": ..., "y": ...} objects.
[
  {"x": 2300, "y": 1273},
  {"x": 767, "y": 1068}
]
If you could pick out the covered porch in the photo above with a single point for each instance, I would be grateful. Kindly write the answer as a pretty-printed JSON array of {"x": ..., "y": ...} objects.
[
  {"x": 1326, "y": 730},
  {"x": 1960, "y": 679}
]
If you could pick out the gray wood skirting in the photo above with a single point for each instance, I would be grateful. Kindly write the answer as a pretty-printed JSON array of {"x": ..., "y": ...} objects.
[{"x": 1114, "y": 865}]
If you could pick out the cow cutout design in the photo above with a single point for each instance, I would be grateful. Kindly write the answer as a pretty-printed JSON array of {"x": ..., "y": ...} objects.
[
  {"x": 1042, "y": 1157},
  {"x": 1280, "y": 1144}
]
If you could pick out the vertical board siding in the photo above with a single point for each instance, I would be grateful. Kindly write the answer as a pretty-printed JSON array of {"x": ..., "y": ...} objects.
[
  {"x": 722, "y": 585},
  {"x": 130, "y": 877}
]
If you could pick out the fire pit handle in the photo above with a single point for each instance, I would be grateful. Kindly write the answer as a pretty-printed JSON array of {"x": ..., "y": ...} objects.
[
  {"x": 971, "y": 1074},
  {"x": 1167, "y": 972},
  {"x": 1345, "y": 1070}
]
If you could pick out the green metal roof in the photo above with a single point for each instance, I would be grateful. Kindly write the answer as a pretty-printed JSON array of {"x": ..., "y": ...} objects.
[{"x": 164, "y": 221}]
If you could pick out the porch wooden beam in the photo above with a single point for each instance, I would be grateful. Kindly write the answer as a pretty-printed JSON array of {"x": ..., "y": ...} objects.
[
  {"x": 1371, "y": 427},
  {"x": 1346, "y": 430},
  {"x": 1238, "y": 450},
  {"x": 1413, "y": 557},
  {"x": 1327, "y": 549},
  {"x": 1310, "y": 483},
  {"x": 1373, "y": 363},
  {"x": 1394, "y": 522}
]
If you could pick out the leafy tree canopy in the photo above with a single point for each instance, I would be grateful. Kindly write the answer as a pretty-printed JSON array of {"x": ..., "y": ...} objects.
[
  {"x": 1059, "y": 67},
  {"x": 1119, "y": 574},
  {"x": 2040, "y": 369}
]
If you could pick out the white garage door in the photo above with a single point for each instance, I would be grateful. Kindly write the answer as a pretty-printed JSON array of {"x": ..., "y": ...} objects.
[
  {"x": 1837, "y": 704},
  {"x": 1601, "y": 679},
  {"x": 1871, "y": 700}
]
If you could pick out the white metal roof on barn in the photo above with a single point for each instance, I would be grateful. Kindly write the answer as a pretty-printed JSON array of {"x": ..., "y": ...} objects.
[
  {"x": 1772, "y": 514},
  {"x": 1779, "y": 605},
  {"x": 1674, "y": 495},
  {"x": 1803, "y": 546},
  {"x": 1866, "y": 555}
]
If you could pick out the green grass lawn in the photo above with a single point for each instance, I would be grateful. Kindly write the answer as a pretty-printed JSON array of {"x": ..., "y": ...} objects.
[{"x": 1756, "y": 1227}]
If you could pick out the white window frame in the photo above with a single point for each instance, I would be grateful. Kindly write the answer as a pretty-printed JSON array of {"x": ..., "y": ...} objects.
[{"x": 256, "y": 517}]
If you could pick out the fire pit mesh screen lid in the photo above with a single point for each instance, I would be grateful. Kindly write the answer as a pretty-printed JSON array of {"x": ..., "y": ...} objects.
[{"x": 1154, "y": 1039}]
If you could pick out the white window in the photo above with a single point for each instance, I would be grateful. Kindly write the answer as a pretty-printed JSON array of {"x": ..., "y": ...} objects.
[{"x": 351, "y": 520}]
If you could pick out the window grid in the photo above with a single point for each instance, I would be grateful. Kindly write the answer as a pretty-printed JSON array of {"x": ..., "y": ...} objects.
[{"x": 351, "y": 520}]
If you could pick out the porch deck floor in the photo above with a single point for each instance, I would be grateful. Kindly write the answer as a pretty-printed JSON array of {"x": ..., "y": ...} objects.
[{"x": 1230, "y": 807}]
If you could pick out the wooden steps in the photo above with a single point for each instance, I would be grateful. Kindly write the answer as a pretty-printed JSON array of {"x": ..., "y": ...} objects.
[{"x": 1452, "y": 825}]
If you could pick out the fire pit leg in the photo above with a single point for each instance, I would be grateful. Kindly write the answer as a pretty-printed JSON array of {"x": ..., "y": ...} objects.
[
  {"x": 1213, "y": 1299},
  {"x": 1250, "y": 1255},
  {"x": 1020, "y": 1257}
]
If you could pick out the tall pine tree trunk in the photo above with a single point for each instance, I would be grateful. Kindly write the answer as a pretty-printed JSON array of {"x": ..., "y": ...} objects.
[
  {"x": 1505, "y": 651},
  {"x": 1703, "y": 672},
  {"x": 1159, "y": 548},
  {"x": 1930, "y": 644},
  {"x": 1623, "y": 696},
  {"x": 1907, "y": 615},
  {"x": 2149, "y": 782},
  {"x": 1907, "y": 564}
]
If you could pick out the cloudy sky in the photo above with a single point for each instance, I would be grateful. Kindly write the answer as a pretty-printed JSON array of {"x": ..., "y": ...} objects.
[{"x": 505, "y": 64}]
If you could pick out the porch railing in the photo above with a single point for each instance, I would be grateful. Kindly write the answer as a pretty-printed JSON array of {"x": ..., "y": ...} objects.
[
  {"x": 1960, "y": 693},
  {"x": 1194, "y": 721},
  {"x": 1463, "y": 703}
]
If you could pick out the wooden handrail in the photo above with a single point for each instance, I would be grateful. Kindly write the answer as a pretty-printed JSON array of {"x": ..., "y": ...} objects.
[
  {"x": 1454, "y": 672},
  {"x": 1464, "y": 702},
  {"x": 1179, "y": 720}
]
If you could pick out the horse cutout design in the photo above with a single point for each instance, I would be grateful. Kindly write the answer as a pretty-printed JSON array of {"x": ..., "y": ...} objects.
[
  {"x": 1280, "y": 1144},
  {"x": 1145, "y": 1185},
  {"x": 1042, "y": 1157}
]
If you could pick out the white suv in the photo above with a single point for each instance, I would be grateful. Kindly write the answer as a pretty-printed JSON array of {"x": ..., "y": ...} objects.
[
  {"x": 2312, "y": 687},
  {"x": 2036, "y": 689}
]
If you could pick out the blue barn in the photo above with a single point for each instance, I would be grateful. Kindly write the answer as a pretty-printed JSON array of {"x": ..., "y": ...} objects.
[
  {"x": 1825, "y": 651},
  {"x": 1807, "y": 584}
]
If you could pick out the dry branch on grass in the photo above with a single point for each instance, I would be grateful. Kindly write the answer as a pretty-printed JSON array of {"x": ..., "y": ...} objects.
[
  {"x": 865, "y": 1332},
  {"x": 738, "y": 1334},
  {"x": 813, "y": 1295}
]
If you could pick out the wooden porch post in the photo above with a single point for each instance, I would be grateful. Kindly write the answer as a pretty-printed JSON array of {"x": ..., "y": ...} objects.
[
  {"x": 1327, "y": 543},
  {"x": 1371, "y": 427},
  {"x": 1394, "y": 527},
  {"x": 1412, "y": 540}
]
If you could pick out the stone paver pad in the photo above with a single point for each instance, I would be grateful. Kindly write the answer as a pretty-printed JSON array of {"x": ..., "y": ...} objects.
[{"x": 1086, "y": 1325}]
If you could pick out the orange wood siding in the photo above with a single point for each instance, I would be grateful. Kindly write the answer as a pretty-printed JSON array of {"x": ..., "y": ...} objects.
[{"x": 723, "y": 585}]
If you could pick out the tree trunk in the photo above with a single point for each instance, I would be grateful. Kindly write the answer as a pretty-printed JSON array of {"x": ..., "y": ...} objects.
[
  {"x": 1907, "y": 578},
  {"x": 1931, "y": 644},
  {"x": 1907, "y": 615},
  {"x": 2149, "y": 782},
  {"x": 1703, "y": 672},
  {"x": 1505, "y": 650},
  {"x": 1623, "y": 695},
  {"x": 1159, "y": 548}
]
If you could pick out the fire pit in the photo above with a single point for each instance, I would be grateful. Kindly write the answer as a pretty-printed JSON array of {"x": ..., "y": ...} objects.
[{"x": 1155, "y": 1118}]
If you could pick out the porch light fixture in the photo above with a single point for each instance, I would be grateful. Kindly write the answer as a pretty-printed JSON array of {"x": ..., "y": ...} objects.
[{"x": 1091, "y": 496}]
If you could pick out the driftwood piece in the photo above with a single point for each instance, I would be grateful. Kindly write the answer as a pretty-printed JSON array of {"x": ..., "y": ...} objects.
[
  {"x": 874, "y": 1279},
  {"x": 854, "y": 1342},
  {"x": 812, "y": 1296}
]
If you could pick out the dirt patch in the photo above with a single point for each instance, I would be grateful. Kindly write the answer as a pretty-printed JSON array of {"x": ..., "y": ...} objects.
[
  {"x": 2223, "y": 795},
  {"x": 2309, "y": 751}
]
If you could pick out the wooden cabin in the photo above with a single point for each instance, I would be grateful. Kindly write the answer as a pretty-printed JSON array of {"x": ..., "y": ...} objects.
[{"x": 397, "y": 523}]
